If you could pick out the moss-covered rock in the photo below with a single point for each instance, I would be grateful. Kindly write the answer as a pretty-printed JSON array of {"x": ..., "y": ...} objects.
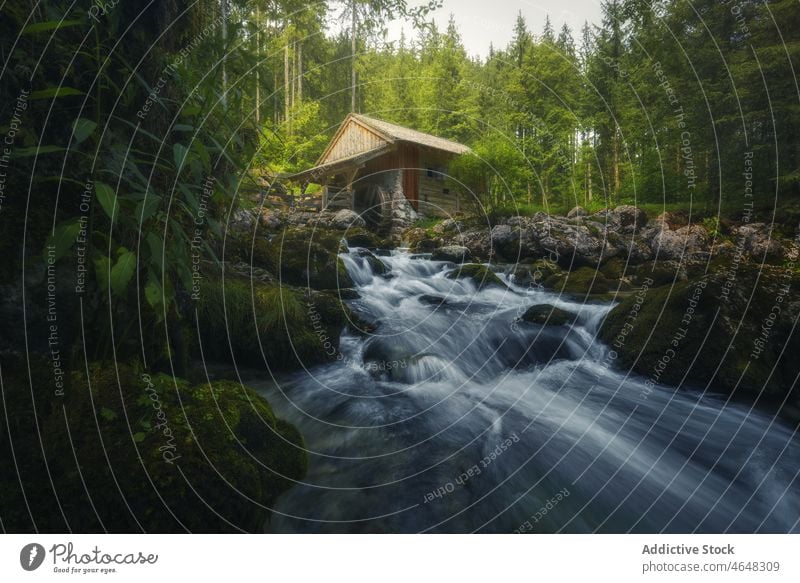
[
  {"x": 480, "y": 275},
  {"x": 363, "y": 238},
  {"x": 308, "y": 258},
  {"x": 534, "y": 274},
  {"x": 614, "y": 269},
  {"x": 132, "y": 452},
  {"x": 377, "y": 266},
  {"x": 727, "y": 332},
  {"x": 257, "y": 325},
  {"x": 583, "y": 281},
  {"x": 546, "y": 315}
]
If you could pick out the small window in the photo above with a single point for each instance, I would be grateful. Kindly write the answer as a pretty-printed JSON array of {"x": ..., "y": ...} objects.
[{"x": 436, "y": 173}]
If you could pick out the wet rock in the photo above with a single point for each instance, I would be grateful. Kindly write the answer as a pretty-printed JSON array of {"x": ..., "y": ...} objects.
[
  {"x": 546, "y": 315},
  {"x": 309, "y": 258},
  {"x": 426, "y": 246},
  {"x": 582, "y": 282},
  {"x": 377, "y": 266},
  {"x": 433, "y": 300},
  {"x": 452, "y": 253},
  {"x": 480, "y": 275},
  {"x": 715, "y": 334}
]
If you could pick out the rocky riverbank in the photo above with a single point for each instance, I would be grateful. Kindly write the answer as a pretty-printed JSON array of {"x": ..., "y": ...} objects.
[{"x": 701, "y": 305}]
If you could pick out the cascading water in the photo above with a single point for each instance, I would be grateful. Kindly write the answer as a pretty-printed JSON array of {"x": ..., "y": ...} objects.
[{"x": 454, "y": 416}]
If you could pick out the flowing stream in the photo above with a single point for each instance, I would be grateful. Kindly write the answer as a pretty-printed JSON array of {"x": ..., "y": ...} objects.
[{"x": 453, "y": 416}]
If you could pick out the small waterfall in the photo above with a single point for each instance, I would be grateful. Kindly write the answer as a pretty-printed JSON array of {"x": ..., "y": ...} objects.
[{"x": 455, "y": 416}]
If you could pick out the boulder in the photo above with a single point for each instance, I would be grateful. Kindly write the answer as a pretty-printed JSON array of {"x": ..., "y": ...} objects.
[
  {"x": 271, "y": 220},
  {"x": 480, "y": 275},
  {"x": 433, "y": 300},
  {"x": 244, "y": 221},
  {"x": 309, "y": 258},
  {"x": 452, "y": 253},
  {"x": 582, "y": 282},
  {"x": 577, "y": 213},
  {"x": 347, "y": 219},
  {"x": 630, "y": 216},
  {"x": 546, "y": 315},
  {"x": 706, "y": 332},
  {"x": 690, "y": 242},
  {"x": 759, "y": 243}
]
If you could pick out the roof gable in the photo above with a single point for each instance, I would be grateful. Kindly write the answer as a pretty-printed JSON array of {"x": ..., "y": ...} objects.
[
  {"x": 399, "y": 133},
  {"x": 360, "y": 134},
  {"x": 352, "y": 139}
]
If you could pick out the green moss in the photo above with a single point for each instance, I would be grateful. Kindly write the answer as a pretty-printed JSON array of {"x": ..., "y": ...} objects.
[
  {"x": 367, "y": 239},
  {"x": 480, "y": 275},
  {"x": 250, "y": 325},
  {"x": 583, "y": 281},
  {"x": 614, "y": 268},
  {"x": 546, "y": 315},
  {"x": 308, "y": 258},
  {"x": 711, "y": 333},
  {"x": 130, "y": 451}
]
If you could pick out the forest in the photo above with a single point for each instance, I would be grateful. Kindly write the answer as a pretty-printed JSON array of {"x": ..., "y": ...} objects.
[{"x": 141, "y": 139}]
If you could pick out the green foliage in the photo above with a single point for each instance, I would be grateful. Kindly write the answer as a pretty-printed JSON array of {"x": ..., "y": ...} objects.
[{"x": 142, "y": 452}]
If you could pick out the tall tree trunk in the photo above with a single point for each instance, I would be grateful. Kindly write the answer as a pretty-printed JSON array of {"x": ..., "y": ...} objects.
[
  {"x": 354, "y": 49},
  {"x": 615, "y": 168},
  {"x": 258, "y": 66},
  {"x": 300, "y": 72},
  {"x": 286, "y": 84},
  {"x": 224, "y": 7}
]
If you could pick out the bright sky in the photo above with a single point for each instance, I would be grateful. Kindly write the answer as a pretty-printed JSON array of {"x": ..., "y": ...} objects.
[{"x": 483, "y": 22}]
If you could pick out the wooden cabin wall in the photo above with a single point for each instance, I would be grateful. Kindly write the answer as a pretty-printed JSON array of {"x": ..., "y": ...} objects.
[
  {"x": 355, "y": 139},
  {"x": 434, "y": 201}
]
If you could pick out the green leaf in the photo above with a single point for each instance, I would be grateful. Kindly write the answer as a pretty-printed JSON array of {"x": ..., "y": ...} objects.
[
  {"x": 35, "y": 151},
  {"x": 152, "y": 293},
  {"x": 156, "y": 246},
  {"x": 179, "y": 154},
  {"x": 139, "y": 437},
  {"x": 82, "y": 129},
  {"x": 49, "y": 25},
  {"x": 63, "y": 238},
  {"x": 107, "y": 414},
  {"x": 106, "y": 197},
  {"x": 122, "y": 272},
  {"x": 55, "y": 92},
  {"x": 101, "y": 267},
  {"x": 146, "y": 208}
]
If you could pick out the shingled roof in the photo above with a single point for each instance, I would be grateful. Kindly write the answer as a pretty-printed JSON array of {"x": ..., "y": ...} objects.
[
  {"x": 402, "y": 134},
  {"x": 382, "y": 138}
]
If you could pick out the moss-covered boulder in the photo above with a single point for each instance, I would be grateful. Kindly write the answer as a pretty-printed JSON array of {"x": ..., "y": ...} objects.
[
  {"x": 363, "y": 238},
  {"x": 581, "y": 282},
  {"x": 129, "y": 452},
  {"x": 730, "y": 330},
  {"x": 268, "y": 325},
  {"x": 546, "y": 315},
  {"x": 377, "y": 266},
  {"x": 480, "y": 275},
  {"x": 308, "y": 258},
  {"x": 536, "y": 273}
]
